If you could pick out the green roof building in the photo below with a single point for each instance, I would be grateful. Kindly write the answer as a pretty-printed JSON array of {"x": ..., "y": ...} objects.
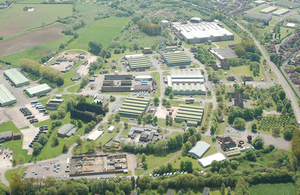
[
  {"x": 176, "y": 58},
  {"x": 37, "y": 90},
  {"x": 6, "y": 97},
  {"x": 134, "y": 107},
  {"x": 17, "y": 78},
  {"x": 192, "y": 115},
  {"x": 138, "y": 63}
]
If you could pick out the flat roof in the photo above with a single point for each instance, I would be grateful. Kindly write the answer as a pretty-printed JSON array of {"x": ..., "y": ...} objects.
[
  {"x": 259, "y": 2},
  {"x": 176, "y": 57},
  {"x": 201, "y": 30},
  {"x": 188, "y": 87},
  {"x": 281, "y": 11},
  {"x": 16, "y": 76},
  {"x": 290, "y": 4},
  {"x": 5, "y": 95},
  {"x": 133, "y": 55},
  {"x": 65, "y": 129},
  {"x": 259, "y": 16},
  {"x": 39, "y": 88},
  {"x": 199, "y": 149},
  {"x": 205, "y": 162},
  {"x": 143, "y": 77},
  {"x": 269, "y": 9},
  {"x": 225, "y": 52},
  {"x": 291, "y": 24},
  {"x": 134, "y": 106}
]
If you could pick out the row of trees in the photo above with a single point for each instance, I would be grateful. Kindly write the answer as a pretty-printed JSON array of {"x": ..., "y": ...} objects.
[
  {"x": 149, "y": 28},
  {"x": 48, "y": 73}
]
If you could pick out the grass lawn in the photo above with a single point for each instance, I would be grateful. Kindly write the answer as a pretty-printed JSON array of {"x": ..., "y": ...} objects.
[
  {"x": 16, "y": 21},
  {"x": 207, "y": 139},
  {"x": 67, "y": 78},
  {"x": 162, "y": 123},
  {"x": 173, "y": 134},
  {"x": 4, "y": 187},
  {"x": 9, "y": 126},
  {"x": 211, "y": 151},
  {"x": 176, "y": 103},
  {"x": 74, "y": 88},
  {"x": 274, "y": 189},
  {"x": 245, "y": 70},
  {"x": 176, "y": 162},
  {"x": 156, "y": 76},
  {"x": 107, "y": 136},
  {"x": 102, "y": 31},
  {"x": 237, "y": 38},
  {"x": 257, "y": 9},
  {"x": 154, "y": 161},
  {"x": 44, "y": 101},
  {"x": 9, "y": 173}
]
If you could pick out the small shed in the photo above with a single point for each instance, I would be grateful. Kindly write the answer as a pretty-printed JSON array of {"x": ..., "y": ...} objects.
[{"x": 111, "y": 129}]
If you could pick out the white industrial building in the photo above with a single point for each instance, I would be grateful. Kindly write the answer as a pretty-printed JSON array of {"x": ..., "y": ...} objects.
[
  {"x": 268, "y": 10},
  {"x": 199, "y": 149},
  {"x": 133, "y": 56},
  {"x": 94, "y": 135},
  {"x": 165, "y": 22},
  {"x": 143, "y": 78},
  {"x": 201, "y": 32},
  {"x": 205, "y": 162},
  {"x": 186, "y": 82},
  {"x": 195, "y": 20},
  {"x": 280, "y": 12},
  {"x": 111, "y": 129}
]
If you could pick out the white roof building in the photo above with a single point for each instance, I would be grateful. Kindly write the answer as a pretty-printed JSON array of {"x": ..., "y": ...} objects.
[
  {"x": 205, "y": 162},
  {"x": 143, "y": 77},
  {"x": 291, "y": 25},
  {"x": 134, "y": 55},
  {"x": 111, "y": 129},
  {"x": 164, "y": 22},
  {"x": 199, "y": 149},
  {"x": 94, "y": 135}
]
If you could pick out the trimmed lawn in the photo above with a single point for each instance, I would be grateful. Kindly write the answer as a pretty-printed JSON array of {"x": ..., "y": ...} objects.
[
  {"x": 174, "y": 134},
  {"x": 237, "y": 38},
  {"x": 9, "y": 126},
  {"x": 154, "y": 161},
  {"x": 274, "y": 189},
  {"x": 9, "y": 173},
  {"x": 211, "y": 151},
  {"x": 176, "y": 162},
  {"x": 44, "y": 101},
  {"x": 245, "y": 70},
  {"x": 161, "y": 122},
  {"x": 74, "y": 88},
  {"x": 4, "y": 187},
  {"x": 176, "y": 103}
]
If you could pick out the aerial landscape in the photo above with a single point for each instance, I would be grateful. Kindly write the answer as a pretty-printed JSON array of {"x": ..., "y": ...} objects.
[{"x": 129, "y": 97}]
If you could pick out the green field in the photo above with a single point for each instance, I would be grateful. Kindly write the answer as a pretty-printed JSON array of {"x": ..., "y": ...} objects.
[
  {"x": 9, "y": 126},
  {"x": 237, "y": 38},
  {"x": 9, "y": 173},
  {"x": 102, "y": 31},
  {"x": 273, "y": 189},
  {"x": 14, "y": 20},
  {"x": 245, "y": 70}
]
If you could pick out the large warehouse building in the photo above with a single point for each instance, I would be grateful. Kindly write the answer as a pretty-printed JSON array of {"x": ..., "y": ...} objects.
[
  {"x": 17, "y": 78},
  {"x": 67, "y": 130},
  {"x": 268, "y": 10},
  {"x": 186, "y": 82},
  {"x": 139, "y": 62},
  {"x": 288, "y": 4},
  {"x": 134, "y": 107},
  {"x": 280, "y": 12},
  {"x": 176, "y": 58},
  {"x": 199, "y": 149},
  {"x": 256, "y": 16},
  {"x": 201, "y": 32},
  {"x": 6, "y": 98},
  {"x": 37, "y": 90},
  {"x": 192, "y": 115},
  {"x": 205, "y": 162}
]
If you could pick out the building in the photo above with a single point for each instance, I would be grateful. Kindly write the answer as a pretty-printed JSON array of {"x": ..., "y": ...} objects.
[
  {"x": 199, "y": 149},
  {"x": 280, "y": 12},
  {"x": 259, "y": 2},
  {"x": 290, "y": 25},
  {"x": 205, "y": 191},
  {"x": 195, "y": 20},
  {"x": 222, "y": 54},
  {"x": 192, "y": 115},
  {"x": 205, "y": 162},
  {"x": 75, "y": 78},
  {"x": 16, "y": 77},
  {"x": 165, "y": 22},
  {"x": 135, "y": 63},
  {"x": 113, "y": 65},
  {"x": 143, "y": 78},
  {"x": 66, "y": 130},
  {"x": 227, "y": 143},
  {"x": 147, "y": 50},
  {"x": 37, "y": 90},
  {"x": 6, "y": 97},
  {"x": 134, "y": 107},
  {"x": 238, "y": 100},
  {"x": 118, "y": 77},
  {"x": 170, "y": 192},
  {"x": 142, "y": 88},
  {"x": 94, "y": 135},
  {"x": 201, "y": 32},
  {"x": 176, "y": 58},
  {"x": 146, "y": 134},
  {"x": 17, "y": 136},
  {"x": 245, "y": 78},
  {"x": 194, "y": 49},
  {"x": 6, "y": 136},
  {"x": 111, "y": 129},
  {"x": 288, "y": 4},
  {"x": 186, "y": 82},
  {"x": 268, "y": 10},
  {"x": 53, "y": 104},
  {"x": 126, "y": 57},
  {"x": 256, "y": 16},
  {"x": 231, "y": 78}
]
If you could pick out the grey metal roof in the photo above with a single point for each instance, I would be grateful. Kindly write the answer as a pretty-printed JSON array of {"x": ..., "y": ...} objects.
[
  {"x": 259, "y": 16},
  {"x": 38, "y": 89},
  {"x": 224, "y": 53},
  {"x": 5, "y": 95},
  {"x": 16, "y": 77},
  {"x": 5, "y": 134},
  {"x": 199, "y": 149},
  {"x": 65, "y": 129}
]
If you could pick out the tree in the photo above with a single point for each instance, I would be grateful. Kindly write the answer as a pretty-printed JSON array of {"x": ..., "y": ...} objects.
[
  {"x": 65, "y": 148},
  {"x": 79, "y": 141},
  {"x": 250, "y": 155},
  {"x": 16, "y": 185},
  {"x": 95, "y": 47},
  {"x": 223, "y": 187},
  {"x": 156, "y": 100},
  {"x": 167, "y": 120},
  {"x": 21, "y": 159},
  {"x": 139, "y": 119},
  {"x": 43, "y": 139},
  {"x": 155, "y": 120},
  {"x": 183, "y": 126},
  {"x": 171, "y": 95},
  {"x": 229, "y": 191},
  {"x": 55, "y": 142},
  {"x": 161, "y": 146},
  {"x": 143, "y": 157},
  {"x": 258, "y": 143},
  {"x": 230, "y": 98},
  {"x": 117, "y": 117},
  {"x": 281, "y": 94},
  {"x": 126, "y": 125},
  {"x": 170, "y": 121},
  {"x": 37, "y": 148},
  {"x": 168, "y": 90},
  {"x": 275, "y": 132},
  {"x": 239, "y": 123},
  {"x": 254, "y": 126},
  {"x": 287, "y": 133},
  {"x": 79, "y": 123},
  {"x": 242, "y": 187},
  {"x": 160, "y": 189}
]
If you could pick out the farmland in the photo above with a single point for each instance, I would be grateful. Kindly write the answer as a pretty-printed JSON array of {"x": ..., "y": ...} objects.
[
  {"x": 102, "y": 31},
  {"x": 30, "y": 39},
  {"x": 15, "y": 20}
]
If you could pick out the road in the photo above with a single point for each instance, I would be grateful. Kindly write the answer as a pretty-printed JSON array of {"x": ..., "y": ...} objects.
[{"x": 281, "y": 80}]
